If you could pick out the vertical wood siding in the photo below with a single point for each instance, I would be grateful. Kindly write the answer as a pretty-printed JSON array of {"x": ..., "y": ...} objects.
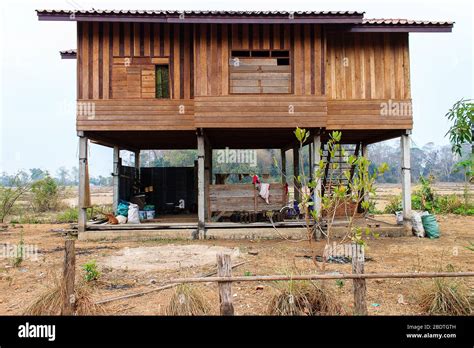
[
  {"x": 367, "y": 66},
  {"x": 214, "y": 42},
  {"x": 99, "y": 43}
]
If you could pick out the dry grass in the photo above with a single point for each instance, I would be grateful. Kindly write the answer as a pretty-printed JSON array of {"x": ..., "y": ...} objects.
[
  {"x": 49, "y": 302},
  {"x": 446, "y": 296},
  {"x": 187, "y": 301},
  {"x": 304, "y": 298}
]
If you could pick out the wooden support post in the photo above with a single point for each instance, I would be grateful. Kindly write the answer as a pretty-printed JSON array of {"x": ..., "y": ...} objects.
[
  {"x": 84, "y": 192},
  {"x": 359, "y": 286},
  {"x": 201, "y": 187},
  {"x": 69, "y": 273},
  {"x": 283, "y": 166},
  {"x": 224, "y": 269},
  {"x": 311, "y": 161},
  {"x": 314, "y": 167},
  {"x": 296, "y": 173},
  {"x": 116, "y": 177},
  {"x": 406, "y": 176}
]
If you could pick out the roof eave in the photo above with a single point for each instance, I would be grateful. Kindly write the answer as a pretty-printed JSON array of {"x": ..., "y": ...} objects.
[
  {"x": 297, "y": 19},
  {"x": 371, "y": 28}
]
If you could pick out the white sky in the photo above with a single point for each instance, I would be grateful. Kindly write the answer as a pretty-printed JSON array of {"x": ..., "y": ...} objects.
[{"x": 38, "y": 89}]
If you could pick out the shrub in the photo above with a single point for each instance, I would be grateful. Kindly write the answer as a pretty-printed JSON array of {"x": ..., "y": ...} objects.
[
  {"x": 45, "y": 194},
  {"x": 69, "y": 215},
  {"x": 17, "y": 186},
  {"x": 394, "y": 205},
  {"x": 91, "y": 271}
]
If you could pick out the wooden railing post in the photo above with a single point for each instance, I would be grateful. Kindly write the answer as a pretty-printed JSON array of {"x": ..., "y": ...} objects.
[
  {"x": 359, "y": 285},
  {"x": 224, "y": 269},
  {"x": 69, "y": 272}
]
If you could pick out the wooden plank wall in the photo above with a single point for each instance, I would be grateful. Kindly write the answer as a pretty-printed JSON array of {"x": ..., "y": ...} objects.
[
  {"x": 213, "y": 42},
  {"x": 261, "y": 111},
  {"x": 369, "y": 114},
  {"x": 367, "y": 66},
  {"x": 244, "y": 197},
  {"x": 100, "y": 42},
  {"x": 138, "y": 114}
]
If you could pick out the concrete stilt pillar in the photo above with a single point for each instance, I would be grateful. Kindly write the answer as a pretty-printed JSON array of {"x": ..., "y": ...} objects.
[
  {"x": 83, "y": 182},
  {"x": 406, "y": 175},
  {"x": 365, "y": 153},
  {"x": 314, "y": 167},
  {"x": 116, "y": 177},
  {"x": 296, "y": 173},
  {"x": 201, "y": 187}
]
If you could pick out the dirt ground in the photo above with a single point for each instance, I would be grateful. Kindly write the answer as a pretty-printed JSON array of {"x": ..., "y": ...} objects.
[{"x": 19, "y": 286}]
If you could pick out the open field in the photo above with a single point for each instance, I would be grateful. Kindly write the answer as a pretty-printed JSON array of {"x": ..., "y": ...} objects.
[{"x": 153, "y": 264}]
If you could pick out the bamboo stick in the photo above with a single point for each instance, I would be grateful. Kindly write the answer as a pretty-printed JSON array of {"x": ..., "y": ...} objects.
[
  {"x": 164, "y": 287},
  {"x": 324, "y": 276}
]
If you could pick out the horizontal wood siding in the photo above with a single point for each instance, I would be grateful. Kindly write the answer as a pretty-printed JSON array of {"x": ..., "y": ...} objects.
[
  {"x": 99, "y": 43},
  {"x": 137, "y": 114},
  {"x": 244, "y": 197},
  {"x": 369, "y": 114},
  {"x": 367, "y": 66},
  {"x": 260, "y": 111}
]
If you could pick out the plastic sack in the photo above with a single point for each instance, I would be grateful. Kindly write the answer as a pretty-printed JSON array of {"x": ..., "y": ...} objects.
[
  {"x": 122, "y": 208},
  {"x": 417, "y": 224},
  {"x": 121, "y": 219},
  {"x": 399, "y": 217},
  {"x": 431, "y": 226},
  {"x": 133, "y": 217}
]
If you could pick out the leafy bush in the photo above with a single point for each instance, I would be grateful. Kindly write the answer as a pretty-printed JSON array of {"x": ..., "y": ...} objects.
[
  {"x": 91, "y": 271},
  {"x": 69, "y": 215},
  {"x": 45, "y": 194},
  {"x": 394, "y": 205}
]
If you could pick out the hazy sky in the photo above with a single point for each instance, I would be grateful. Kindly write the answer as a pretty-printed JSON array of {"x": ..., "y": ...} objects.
[{"x": 38, "y": 89}]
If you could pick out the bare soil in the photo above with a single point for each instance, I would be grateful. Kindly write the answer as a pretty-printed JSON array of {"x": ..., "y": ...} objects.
[{"x": 19, "y": 286}]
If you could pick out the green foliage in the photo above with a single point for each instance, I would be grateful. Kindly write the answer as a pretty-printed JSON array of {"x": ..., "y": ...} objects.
[
  {"x": 91, "y": 271},
  {"x": 68, "y": 216},
  {"x": 425, "y": 197},
  {"x": 45, "y": 194},
  {"x": 16, "y": 187},
  {"x": 462, "y": 116},
  {"x": 340, "y": 283}
]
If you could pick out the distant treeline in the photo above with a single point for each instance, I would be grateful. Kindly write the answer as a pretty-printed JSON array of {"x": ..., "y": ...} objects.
[{"x": 430, "y": 159}]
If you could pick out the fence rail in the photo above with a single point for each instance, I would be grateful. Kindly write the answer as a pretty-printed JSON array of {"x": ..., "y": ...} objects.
[{"x": 324, "y": 276}]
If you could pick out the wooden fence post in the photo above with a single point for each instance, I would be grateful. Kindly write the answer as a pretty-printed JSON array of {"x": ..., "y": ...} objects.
[
  {"x": 359, "y": 285},
  {"x": 69, "y": 270},
  {"x": 224, "y": 269}
]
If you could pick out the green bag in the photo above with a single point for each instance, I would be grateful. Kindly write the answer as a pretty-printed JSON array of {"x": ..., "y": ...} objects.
[
  {"x": 122, "y": 208},
  {"x": 430, "y": 225}
]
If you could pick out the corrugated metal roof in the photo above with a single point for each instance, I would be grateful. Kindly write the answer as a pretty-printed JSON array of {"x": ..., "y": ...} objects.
[
  {"x": 203, "y": 13},
  {"x": 68, "y": 54},
  {"x": 399, "y": 21},
  {"x": 176, "y": 16}
]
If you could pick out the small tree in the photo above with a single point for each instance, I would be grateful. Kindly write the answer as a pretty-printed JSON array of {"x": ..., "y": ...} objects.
[
  {"x": 16, "y": 186},
  {"x": 45, "y": 194},
  {"x": 358, "y": 191},
  {"x": 461, "y": 132}
]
